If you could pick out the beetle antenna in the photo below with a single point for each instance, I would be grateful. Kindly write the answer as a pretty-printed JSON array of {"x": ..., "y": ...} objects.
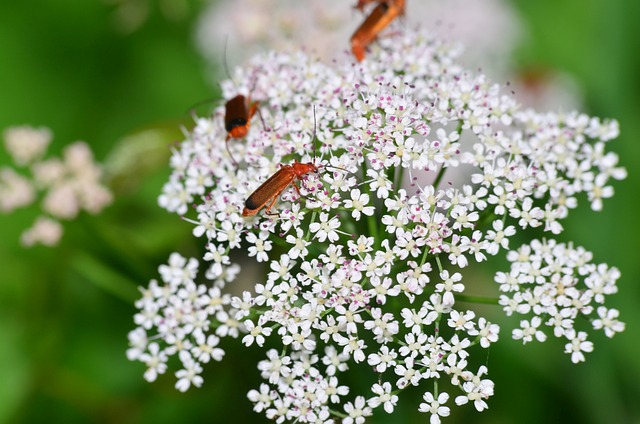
[
  {"x": 225, "y": 64},
  {"x": 356, "y": 176},
  {"x": 313, "y": 140}
]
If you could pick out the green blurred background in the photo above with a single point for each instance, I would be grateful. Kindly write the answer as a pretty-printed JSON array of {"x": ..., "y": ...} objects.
[{"x": 65, "y": 312}]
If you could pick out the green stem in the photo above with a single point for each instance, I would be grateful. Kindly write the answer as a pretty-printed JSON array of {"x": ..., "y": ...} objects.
[
  {"x": 338, "y": 413},
  {"x": 424, "y": 257},
  {"x": 397, "y": 176},
  {"x": 439, "y": 177},
  {"x": 372, "y": 224},
  {"x": 440, "y": 269},
  {"x": 313, "y": 218}
]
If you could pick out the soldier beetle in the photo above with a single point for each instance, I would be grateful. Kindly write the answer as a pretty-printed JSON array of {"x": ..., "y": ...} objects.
[
  {"x": 381, "y": 16},
  {"x": 238, "y": 112},
  {"x": 270, "y": 190},
  {"x": 267, "y": 194}
]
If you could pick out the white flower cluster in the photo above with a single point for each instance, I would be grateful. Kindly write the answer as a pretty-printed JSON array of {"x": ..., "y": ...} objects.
[
  {"x": 556, "y": 284},
  {"x": 366, "y": 264},
  {"x": 180, "y": 311},
  {"x": 489, "y": 29},
  {"x": 70, "y": 184}
]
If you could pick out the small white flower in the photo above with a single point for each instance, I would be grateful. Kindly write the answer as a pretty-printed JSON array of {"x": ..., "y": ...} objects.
[
  {"x": 190, "y": 374},
  {"x": 383, "y": 397},
  {"x": 499, "y": 237},
  {"x": 334, "y": 360},
  {"x": 299, "y": 248},
  {"x": 435, "y": 407},
  {"x": 357, "y": 411},
  {"x": 326, "y": 228},
  {"x": 358, "y": 203},
  {"x": 408, "y": 374},
  {"x": 179, "y": 270},
  {"x": 385, "y": 358},
  {"x": 608, "y": 320},
  {"x": 155, "y": 360},
  {"x": 577, "y": 345},
  {"x": 449, "y": 285},
  {"x": 351, "y": 346},
  {"x": 528, "y": 330},
  {"x": 259, "y": 246},
  {"x": 256, "y": 333},
  {"x": 206, "y": 349},
  {"x": 138, "y": 342},
  {"x": 262, "y": 399},
  {"x": 488, "y": 332},
  {"x": 275, "y": 367},
  {"x": 477, "y": 390}
]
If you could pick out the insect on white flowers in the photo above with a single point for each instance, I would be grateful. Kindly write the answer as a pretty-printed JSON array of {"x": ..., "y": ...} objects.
[{"x": 366, "y": 273}]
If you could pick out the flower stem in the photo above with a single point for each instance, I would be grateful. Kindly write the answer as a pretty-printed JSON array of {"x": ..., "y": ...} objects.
[{"x": 439, "y": 177}]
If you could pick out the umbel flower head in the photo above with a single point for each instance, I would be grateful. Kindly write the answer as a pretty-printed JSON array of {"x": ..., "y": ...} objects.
[
  {"x": 69, "y": 184},
  {"x": 424, "y": 169}
]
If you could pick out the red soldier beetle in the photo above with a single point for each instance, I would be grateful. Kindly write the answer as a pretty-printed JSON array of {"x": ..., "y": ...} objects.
[
  {"x": 238, "y": 112},
  {"x": 268, "y": 193},
  {"x": 270, "y": 190},
  {"x": 381, "y": 16}
]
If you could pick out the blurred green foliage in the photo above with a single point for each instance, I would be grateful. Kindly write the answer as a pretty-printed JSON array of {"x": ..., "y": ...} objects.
[{"x": 65, "y": 312}]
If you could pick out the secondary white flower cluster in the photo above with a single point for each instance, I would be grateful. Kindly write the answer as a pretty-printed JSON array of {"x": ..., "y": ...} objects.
[
  {"x": 489, "y": 29},
  {"x": 365, "y": 271},
  {"x": 180, "y": 311},
  {"x": 70, "y": 184},
  {"x": 556, "y": 284}
]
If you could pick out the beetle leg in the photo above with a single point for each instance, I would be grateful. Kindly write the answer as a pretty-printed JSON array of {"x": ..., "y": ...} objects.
[{"x": 267, "y": 210}]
